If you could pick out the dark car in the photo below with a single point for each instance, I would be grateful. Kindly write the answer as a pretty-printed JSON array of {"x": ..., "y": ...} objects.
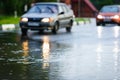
[
  {"x": 47, "y": 16},
  {"x": 109, "y": 14}
]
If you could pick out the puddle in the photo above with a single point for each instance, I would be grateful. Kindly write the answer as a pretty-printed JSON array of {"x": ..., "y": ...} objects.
[{"x": 20, "y": 56}]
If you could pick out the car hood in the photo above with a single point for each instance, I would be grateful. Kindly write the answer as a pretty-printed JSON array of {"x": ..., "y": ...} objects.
[
  {"x": 38, "y": 15},
  {"x": 108, "y": 14}
]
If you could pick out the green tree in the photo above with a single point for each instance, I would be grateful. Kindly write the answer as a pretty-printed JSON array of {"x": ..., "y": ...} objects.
[
  {"x": 100, "y": 3},
  {"x": 9, "y": 6}
]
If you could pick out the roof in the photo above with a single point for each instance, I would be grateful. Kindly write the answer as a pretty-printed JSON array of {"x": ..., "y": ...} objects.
[{"x": 90, "y": 5}]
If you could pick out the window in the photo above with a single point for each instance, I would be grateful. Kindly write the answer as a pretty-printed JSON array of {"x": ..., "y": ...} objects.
[
  {"x": 60, "y": 9},
  {"x": 44, "y": 8},
  {"x": 110, "y": 9},
  {"x": 64, "y": 9}
]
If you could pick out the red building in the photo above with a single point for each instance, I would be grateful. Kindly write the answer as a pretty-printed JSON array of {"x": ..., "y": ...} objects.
[{"x": 82, "y": 8}]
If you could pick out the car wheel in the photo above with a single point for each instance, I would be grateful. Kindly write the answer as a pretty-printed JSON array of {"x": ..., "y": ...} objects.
[
  {"x": 68, "y": 29},
  {"x": 118, "y": 24},
  {"x": 24, "y": 31},
  {"x": 103, "y": 24},
  {"x": 55, "y": 28},
  {"x": 41, "y": 31},
  {"x": 98, "y": 24}
]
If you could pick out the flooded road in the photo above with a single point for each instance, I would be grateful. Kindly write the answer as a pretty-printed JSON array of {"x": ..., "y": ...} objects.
[{"x": 87, "y": 53}]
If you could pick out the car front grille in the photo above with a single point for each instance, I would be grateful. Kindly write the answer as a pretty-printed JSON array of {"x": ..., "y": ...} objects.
[{"x": 34, "y": 19}]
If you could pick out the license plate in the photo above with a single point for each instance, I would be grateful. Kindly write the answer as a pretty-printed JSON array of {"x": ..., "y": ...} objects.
[
  {"x": 33, "y": 24},
  {"x": 107, "y": 19}
]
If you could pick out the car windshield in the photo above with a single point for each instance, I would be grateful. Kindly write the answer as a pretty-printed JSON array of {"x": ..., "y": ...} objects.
[
  {"x": 109, "y": 9},
  {"x": 44, "y": 9}
]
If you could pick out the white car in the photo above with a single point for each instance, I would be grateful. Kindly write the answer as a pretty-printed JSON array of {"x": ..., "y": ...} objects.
[{"x": 47, "y": 16}]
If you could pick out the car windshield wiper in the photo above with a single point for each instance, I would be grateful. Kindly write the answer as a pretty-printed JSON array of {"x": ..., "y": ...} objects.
[
  {"x": 39, "y": 10},
  {"x": 50, "y": 9}
]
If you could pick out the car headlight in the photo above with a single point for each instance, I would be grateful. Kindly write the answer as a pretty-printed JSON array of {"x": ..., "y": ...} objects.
[
  {"x": 100, "y": 17},
  {"x": 116, "y": 16},
  {"x": 24, "y": 19},
  {"x": 47, "y": 20}
]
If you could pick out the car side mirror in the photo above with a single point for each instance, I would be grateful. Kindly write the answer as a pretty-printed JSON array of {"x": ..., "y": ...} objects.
[{"x": 61, "y": 13}]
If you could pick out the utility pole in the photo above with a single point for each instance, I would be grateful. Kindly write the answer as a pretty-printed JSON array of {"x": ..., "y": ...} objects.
[
  {"x": 26, "y": 6},
  {"x": 78, "y": 8}
]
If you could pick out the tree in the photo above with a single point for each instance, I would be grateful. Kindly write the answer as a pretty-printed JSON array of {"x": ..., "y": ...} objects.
[
  {"x": 100, "y": 3},
  {"x": 9, "y": 6}
]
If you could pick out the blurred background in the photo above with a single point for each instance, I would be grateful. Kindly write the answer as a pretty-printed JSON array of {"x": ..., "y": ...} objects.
[
  {"x": 11, "y": 10},
  {"x": 8, "y": 7}
]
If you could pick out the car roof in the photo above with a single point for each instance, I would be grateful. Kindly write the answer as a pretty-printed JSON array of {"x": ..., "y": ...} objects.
[
  {"x": 55, "y": 3},
  {"x": 111, "y": 6}
]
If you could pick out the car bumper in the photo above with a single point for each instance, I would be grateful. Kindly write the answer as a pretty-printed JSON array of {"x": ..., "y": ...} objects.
[
  {"x": 36, "y": 25},
  {"x": 108, "y": 21}
]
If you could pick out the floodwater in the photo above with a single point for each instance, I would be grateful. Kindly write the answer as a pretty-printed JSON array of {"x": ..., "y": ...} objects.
[{"x": 87, "y": 53}]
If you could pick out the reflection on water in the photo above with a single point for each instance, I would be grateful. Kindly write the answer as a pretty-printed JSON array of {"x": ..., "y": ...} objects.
[
  {"x": 108, "y": 53},
  {"x": 25, "y": 47},
  {"x": 116, "y": 59},
  {"x": 30, "y": 59},
  {"x": 107, "y": 58},
  {"x": 116, "y": 31},
  {"x": 116, "y": 47},
  {"x": 46, "y": 51},
  {"x": 23, "y": 59},
  {"x": 46, "y": 48},
  {"x": 99, "y": 31},
  {"x": 43, "y": 48},
  {"x": 99, "y": 50}
]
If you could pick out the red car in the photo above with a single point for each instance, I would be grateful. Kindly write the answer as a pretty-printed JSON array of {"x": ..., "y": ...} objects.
[{"x": 109, "y": 14}]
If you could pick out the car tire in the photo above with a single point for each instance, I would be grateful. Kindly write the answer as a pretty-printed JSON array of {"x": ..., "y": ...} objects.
[
  {"x": 24, "y": 31},
  {"x": 41, "y": 31},
  {"x": 98, "y": 24},
  {"x": 118, "y": 24},
  {"x": 103, "y": 24},
  {"x": 55, "y": 28},
  {"x": 68, "y": 29}
]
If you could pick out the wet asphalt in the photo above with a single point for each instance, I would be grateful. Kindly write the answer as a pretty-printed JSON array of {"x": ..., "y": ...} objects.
[{"x": 89, "y": 52}]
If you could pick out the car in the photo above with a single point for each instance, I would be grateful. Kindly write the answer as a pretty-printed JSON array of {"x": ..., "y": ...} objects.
[
  {"x": 109, "y": 14},
  {"x": 47, "y": 16}
]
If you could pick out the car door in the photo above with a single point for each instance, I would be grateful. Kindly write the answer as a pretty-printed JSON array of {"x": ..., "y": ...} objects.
[
  {"x": 61, "y": 16},
  {"x": 66, "y": 15}
]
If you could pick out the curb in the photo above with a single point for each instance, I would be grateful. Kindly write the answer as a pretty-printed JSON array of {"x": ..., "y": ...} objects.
[
  {"x": 81, "y": 23},
  {"x": 6, "y": 27}
]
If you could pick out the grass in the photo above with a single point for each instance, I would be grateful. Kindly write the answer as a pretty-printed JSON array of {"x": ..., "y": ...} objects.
[
  {"x": 12, "y": 20},
  {"x": 81, "y": 19},
  {"x": 9, "y": 20}
]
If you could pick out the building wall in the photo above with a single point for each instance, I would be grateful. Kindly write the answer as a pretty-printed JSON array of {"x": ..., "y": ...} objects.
[
  {"x": 75, "y": 8},
  {"x": 85, "y": 10},
  {"x": 80, "y": 8}
]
